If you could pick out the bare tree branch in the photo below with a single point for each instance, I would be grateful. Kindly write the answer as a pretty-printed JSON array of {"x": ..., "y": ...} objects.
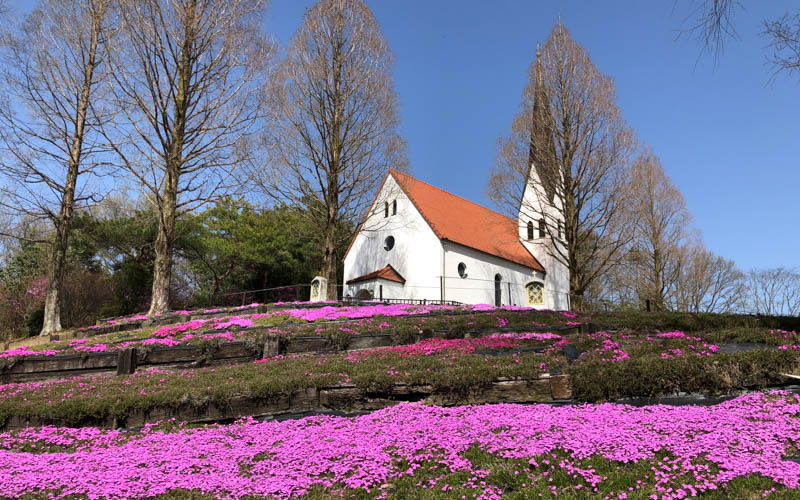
[
  {"x": 570, "y": 147},
  {"x": 55, "y": 71},
  {"x": 335, "y": 116},
  {"x": 186, "y": 77}
]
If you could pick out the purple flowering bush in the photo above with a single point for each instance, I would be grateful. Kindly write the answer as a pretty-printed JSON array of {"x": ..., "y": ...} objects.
[{"x": 732, "y": 450}]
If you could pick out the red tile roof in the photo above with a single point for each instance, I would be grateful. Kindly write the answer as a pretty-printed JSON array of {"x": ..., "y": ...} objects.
[
  {"x": 455, "y": 219},
  {"x": 387, "y": 273}
]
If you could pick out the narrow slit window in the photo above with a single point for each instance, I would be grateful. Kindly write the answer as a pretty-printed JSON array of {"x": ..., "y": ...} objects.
[
  {"x": 394, "y": 207},
  {"x": 530, "y": 230},
  {"x": 386, "y": 209},
  {"x": 542, "y": 228}
]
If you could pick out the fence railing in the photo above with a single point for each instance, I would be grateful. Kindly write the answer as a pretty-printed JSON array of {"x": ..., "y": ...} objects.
[{"x": 416, "y": 302}]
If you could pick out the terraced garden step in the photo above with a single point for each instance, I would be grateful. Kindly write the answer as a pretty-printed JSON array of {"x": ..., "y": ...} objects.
[
  {"x": 344, "y": 397},
  {"x": 42, "y": 368}
]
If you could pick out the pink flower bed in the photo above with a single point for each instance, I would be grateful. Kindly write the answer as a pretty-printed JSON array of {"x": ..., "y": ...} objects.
[
  {"x": 331, "y": 313},
  {"x": 742, "y": 437},
  {"x": 24, "y": 351}
]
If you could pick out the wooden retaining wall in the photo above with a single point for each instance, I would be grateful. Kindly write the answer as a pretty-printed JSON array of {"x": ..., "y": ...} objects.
[
  {"x": 127, "y": 361},
  {"x": 344, "y": 397}
]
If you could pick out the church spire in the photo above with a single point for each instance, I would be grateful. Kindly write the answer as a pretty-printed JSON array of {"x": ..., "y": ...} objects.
[{"x": 541, "y": 152}]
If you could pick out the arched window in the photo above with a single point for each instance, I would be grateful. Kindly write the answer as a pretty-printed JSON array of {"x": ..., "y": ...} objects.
[
  {"x": 559, "y": 230},
  {"x": 394, "y": 207},
  {"x": 386, "y": 209},
  {"x": 530, "y": 230},
  {"x": 498, "y": 293},
  {"x": 535, "y": 292},
  {"x": 542, "y": 228}
]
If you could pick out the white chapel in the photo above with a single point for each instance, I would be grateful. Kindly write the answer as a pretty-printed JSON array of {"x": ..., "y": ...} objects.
[{"x": 420, "y": 242}]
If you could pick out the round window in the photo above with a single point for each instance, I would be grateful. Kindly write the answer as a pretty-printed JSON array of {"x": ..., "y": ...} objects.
[
  {"x": 388, "y": 243},
  {"x": 462, "y": 269}
]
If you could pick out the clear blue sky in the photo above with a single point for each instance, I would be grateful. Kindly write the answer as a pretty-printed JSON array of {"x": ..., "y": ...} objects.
[{"x": 727, "y": 136}]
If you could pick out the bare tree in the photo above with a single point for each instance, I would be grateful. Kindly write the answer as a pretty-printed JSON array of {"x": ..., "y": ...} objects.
[
  {"x": 186, "y": 74},
  {"x": 661, "y": 225},
  {"x": 55, "y": 71},
  {"x": 784, "y": 36},
  {"x": 570, "y": 133},
  {"x": 708, "y": 283},
  {"x": 334, "y": 119},
  {"x": 713, "y": 23},
  {"x": 775, "y": 290}
]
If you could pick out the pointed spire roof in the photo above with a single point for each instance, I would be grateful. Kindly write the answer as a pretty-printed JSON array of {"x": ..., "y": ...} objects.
[{"x": 541, "y": 152}]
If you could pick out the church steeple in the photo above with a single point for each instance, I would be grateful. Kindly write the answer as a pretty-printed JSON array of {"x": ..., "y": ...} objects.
[{"x": 541, "y": 152}]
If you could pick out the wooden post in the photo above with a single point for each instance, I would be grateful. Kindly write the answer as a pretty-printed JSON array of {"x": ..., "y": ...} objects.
[
  {"x": 272, "y": 347},
  {"x": 126, "y": 362}
]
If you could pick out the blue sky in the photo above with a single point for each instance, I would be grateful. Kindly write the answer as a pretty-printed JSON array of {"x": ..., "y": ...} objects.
[{"x": 727, "y": 135}]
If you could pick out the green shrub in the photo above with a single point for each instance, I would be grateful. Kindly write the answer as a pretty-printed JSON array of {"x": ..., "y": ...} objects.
[
  {"x": 35, "y": 322},
  {"x": 654, "y": 376}
]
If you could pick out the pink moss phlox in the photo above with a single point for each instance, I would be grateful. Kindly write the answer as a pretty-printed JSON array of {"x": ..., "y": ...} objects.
[
  {"x": 671, "y": 335},
  {"x": 742, "y": 437},
  {"x": 25, "y": 351},
  {"x": 232, "y": 321}
]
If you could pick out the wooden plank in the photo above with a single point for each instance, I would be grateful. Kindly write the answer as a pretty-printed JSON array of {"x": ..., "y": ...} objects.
[
  {"x": 233, "y": 350},
  {"x": 345, "y": 397},
  {"x": 63, "y": 363},
  {"x": 179, "y": 354},
  {"x": 10, "y": 378},
  {"x": 308, "y": 344},
  {"x": 370, "y": 341}
]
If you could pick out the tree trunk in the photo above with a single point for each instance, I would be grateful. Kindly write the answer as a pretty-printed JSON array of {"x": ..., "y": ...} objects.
[
  {"x": 575, "y": 293},
  {"x": 162, "y": 266},
  {"x": 58, "y": 258},
  {"x": 52, "y": 300},
  {"x": 329, "y": 262}
]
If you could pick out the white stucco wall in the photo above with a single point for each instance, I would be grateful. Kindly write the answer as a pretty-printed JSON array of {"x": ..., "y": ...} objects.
[
  {"x": 416, "y": 254},
  {"x": 390, "y": 289},
  {"x": 556, "y": 286},
  {"x": 479, "y": 285}
]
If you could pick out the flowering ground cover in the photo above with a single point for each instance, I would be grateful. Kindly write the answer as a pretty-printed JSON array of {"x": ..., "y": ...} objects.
[
  {"x": 402, "y": 321},
  {"x": 449, "y": 366},
  {"x": 732, "y": 450},
  {"x": 609, "y": 366},
  {"x": 619, "y": 364}
]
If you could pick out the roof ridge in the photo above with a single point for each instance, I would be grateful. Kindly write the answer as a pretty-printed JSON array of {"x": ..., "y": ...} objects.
[{"x": 395, "y": 172}]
